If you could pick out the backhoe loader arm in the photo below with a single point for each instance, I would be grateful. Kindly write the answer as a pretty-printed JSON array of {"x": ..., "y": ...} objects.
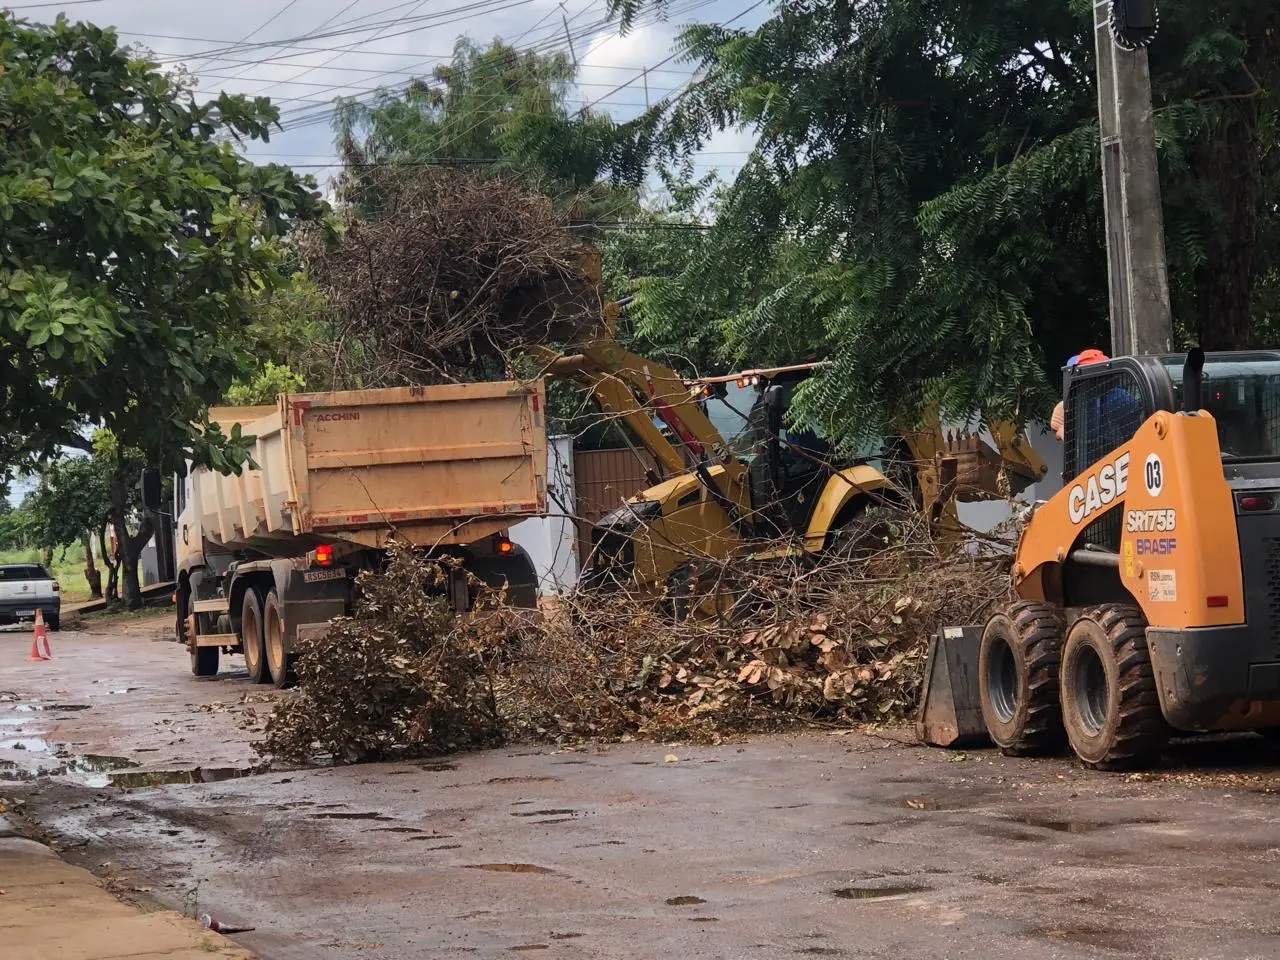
[{"x": 614, "y": 398}]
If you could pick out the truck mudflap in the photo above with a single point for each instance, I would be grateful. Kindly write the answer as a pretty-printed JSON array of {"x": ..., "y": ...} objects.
[{"x": 1207, "y": 680}]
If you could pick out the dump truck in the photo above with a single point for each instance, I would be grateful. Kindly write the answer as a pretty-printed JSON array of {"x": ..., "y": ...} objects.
[
  {"x": 268, "y": 557},
  {"x": 1148, "y": 589}
]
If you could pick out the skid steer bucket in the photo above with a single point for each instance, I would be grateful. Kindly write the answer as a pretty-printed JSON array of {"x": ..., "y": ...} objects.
[{"x": 950, "y": 710}]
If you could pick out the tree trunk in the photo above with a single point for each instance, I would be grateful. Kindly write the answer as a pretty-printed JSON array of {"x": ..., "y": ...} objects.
[
  {"x": 129, "y": 545},
  {"x": 113, "y": 568},
  {"x": 92, "y": 576}
]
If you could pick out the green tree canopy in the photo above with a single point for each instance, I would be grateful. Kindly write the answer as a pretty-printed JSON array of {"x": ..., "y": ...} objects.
[
  {"x": 506, "y": 112},
  {"x": 925, "y": 201}
]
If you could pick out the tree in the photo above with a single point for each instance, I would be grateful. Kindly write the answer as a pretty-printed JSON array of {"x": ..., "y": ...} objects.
[
  {"x": 71, "y": 505},
  {"x": 504, "y": 112},
  {"x": 924, "y": 204},
  {"x": 135, "y": 239}
]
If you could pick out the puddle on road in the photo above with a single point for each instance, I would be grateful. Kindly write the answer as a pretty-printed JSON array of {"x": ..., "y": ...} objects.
[
  {"x": 522, "y": 779},
  {"x": 878, "y": 893},
  {"x": 71, "y": 706},
  {"x": 509, "y": 867},
  {"x": 684, "y": 901},
  {"x": 437, "y": 767},
  {"x": 30, "y": 744},
  {"x": 15, "y": 721},
  {"x": 28, "y": 708},
  {"x": 544, "y": 813},
  {"x": 163, "y": 778}
]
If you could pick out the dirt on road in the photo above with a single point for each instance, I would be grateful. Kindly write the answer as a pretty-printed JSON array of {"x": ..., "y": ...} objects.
[{"x": 840, "y": 844}]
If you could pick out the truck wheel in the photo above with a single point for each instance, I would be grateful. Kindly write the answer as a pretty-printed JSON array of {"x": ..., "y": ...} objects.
[
  {"x": 204, "y": 661},
  {"x": 277, "y": 652},
  {"x": 1110, "y": 704},
  {"x": 1018, "y": 679},
  {"x": 54, "y": 623},
  {"x": 251, "y": 637}
]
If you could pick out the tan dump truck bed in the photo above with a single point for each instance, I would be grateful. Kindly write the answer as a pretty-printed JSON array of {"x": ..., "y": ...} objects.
[{"x": 431, "y": 465}]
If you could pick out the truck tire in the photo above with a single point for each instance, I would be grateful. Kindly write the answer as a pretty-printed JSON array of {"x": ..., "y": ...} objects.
[
  {"x": 54, "y": 623},
  {"x": 276, "y": 646},
  {"x": 1110, "y": 705},
  {"x": 204, "y": 661},
  {"x": 251, "y": 637},
  {"x": 1018, "y": 679}
]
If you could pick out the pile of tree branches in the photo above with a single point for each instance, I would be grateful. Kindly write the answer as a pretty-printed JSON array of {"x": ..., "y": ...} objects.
[
  {"x": 441, "y": 275},
  {"x": 772, "y": 645}
]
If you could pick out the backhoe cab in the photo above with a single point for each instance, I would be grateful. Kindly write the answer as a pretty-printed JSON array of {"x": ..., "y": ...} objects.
[{"x": 1150, "y": 585}]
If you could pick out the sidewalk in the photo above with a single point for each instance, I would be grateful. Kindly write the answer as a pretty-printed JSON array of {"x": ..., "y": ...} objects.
[{"x": 49, "y": 909}]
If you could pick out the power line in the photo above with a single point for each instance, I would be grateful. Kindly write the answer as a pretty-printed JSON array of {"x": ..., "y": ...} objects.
[
  {"x": 312, "y": 116},
  {"x": 258, "y": 29},
  {"x": 41, "y": 6}
]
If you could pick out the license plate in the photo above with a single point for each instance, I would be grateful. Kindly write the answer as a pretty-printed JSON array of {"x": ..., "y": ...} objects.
[
  {"x": 26, "y": 613},
  {"x": 319, "y": 576}
]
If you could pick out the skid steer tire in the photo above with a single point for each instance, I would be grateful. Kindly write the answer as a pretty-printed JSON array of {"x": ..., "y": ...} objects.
[
  {"x": 1110, "y": 705},
  {"x": 1018, "y": 679}
]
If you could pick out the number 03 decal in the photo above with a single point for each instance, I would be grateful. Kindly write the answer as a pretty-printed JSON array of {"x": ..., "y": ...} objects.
[{"x": 1153, "y": 475}]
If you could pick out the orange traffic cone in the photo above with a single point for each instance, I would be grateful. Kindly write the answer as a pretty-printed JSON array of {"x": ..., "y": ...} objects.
[{"x": 40, "y": 633}]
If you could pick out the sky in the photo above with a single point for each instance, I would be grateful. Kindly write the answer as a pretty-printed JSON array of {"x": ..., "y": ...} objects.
[{"x": 304, "y": 53}]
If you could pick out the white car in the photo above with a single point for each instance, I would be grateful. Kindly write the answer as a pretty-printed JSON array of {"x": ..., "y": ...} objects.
[{"x": 26, "y": 588}]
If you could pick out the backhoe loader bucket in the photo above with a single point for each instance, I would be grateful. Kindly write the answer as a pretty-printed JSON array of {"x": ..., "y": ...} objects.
[
  {"x": 980, "y": 472},
  {"x": 950, "y": 709}
]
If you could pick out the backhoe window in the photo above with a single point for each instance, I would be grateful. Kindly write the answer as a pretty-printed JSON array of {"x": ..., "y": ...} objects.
[
  {"x": 1243, "y": 394},
  {"x": 732, "y": 416}
]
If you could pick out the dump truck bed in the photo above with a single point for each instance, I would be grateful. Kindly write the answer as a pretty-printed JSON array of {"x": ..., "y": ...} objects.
[{"x": 429, "y": 465}]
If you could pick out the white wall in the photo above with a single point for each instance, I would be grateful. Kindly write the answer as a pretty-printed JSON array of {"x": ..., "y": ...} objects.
[{"x": 551, "y": 541}]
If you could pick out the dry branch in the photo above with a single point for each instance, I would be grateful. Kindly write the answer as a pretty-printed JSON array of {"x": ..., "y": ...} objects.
[{"x": 445, "y": 276}]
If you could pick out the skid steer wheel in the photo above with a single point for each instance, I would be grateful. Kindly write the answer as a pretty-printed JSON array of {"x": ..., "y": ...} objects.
[
  {"x": 1110, "y": 705},
  {"x": 1018, "y": 679}
]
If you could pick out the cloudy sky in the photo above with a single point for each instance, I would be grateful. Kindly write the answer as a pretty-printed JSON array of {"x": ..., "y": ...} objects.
[{"x": 304, "y": 53}]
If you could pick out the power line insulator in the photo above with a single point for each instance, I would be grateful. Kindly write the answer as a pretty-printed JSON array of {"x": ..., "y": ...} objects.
[{"x": 1134, "y": 23}]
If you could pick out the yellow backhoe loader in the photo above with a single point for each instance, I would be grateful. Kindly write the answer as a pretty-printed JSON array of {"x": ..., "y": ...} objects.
[{"x": 752, "y": 483}]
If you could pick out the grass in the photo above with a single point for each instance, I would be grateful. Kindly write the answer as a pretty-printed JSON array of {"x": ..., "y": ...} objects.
[{"x": 68, "y": 569}]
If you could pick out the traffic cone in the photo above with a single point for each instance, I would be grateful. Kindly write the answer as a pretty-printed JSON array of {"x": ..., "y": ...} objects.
[{"x": 40, "y": 633}]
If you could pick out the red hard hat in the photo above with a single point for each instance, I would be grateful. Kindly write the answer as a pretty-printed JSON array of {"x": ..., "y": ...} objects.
[{"x": 1091, "y": 356}]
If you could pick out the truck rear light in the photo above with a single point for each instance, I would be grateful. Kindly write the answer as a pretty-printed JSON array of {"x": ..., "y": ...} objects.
[
  {"x": 324, "y": 555},
  {"x": 502, "y": 546},
  {"x": 56, "y": 586},
  {"x": 1218, "y": 601}
]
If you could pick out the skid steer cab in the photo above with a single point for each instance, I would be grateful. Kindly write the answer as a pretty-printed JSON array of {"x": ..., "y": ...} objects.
[{"x": 1148, "y": 589}]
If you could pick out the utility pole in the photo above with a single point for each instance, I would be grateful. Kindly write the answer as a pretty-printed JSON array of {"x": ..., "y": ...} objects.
[{"x": 1141, "y": 318}]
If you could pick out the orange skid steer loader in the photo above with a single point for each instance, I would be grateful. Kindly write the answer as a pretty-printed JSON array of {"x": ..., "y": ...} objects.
[{"x": 1148, "y": 589}]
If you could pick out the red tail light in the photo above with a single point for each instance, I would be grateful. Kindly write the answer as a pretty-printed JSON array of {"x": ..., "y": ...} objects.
[
  {"x": 324, "y": 555},
  {"x": 1255, "y": 502},
  {"x": 1216, "y": 601},
  {"x": 56, "y": 586}
]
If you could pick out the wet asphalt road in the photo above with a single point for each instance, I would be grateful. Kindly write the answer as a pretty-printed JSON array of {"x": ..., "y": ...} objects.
[{"x": 847, "y": 845}]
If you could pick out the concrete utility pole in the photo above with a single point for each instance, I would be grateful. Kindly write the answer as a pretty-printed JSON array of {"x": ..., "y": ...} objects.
[{"x": 1141, "y": 319}]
